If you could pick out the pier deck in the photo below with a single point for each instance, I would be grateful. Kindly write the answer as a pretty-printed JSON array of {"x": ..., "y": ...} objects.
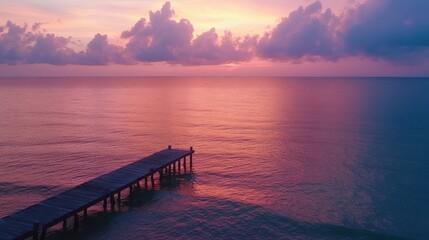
[{"x": 36, "y": 219}]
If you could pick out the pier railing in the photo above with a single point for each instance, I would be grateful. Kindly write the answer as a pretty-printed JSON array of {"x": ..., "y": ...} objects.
[{"x": 35, "y": 220}]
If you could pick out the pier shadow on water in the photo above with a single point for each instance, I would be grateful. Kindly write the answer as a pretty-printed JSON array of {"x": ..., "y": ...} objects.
[
  {"x": 142, "y": 198},
  {"x": 172, "y": 209},
  {"x": 224, "y": 220}
]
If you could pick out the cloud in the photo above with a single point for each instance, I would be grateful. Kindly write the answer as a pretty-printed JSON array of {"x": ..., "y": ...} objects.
[
  {"x": 100, "y": 52},
  {"x": 49, "y": 49},
  {"x": 19, "y": 45},
  {"x": 12, "y": 43},
  {"x": 24, "y": 45},
  {"x": 208, "y": 48},
  {"x": 396, "y": 31},
  {"x": 162, "y": 39},
  {"x": 306, "y": 33}
]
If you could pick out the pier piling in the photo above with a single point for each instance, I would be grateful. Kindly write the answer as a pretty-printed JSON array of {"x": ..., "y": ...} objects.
[
  {"x": 35, "y": 220},
  {"x": 36, "y": 227},
  {"x": 76, "y": 222}
]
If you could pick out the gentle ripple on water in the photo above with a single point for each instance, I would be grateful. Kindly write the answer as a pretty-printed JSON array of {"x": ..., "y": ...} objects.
[{"x": 280, "y": 158}]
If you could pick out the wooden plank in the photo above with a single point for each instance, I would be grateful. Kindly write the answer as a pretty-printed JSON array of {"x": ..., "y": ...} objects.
[
  {"x": 15, "y": 228},
  {"x": 123, "y": 175},
  {"x": 80, "y": 197},
  {"x": 55, "y": 209},
  {"x": 132, "y": 171},
  {"x": 37, "y": 214},
  {"x": 58, "y": 205}
]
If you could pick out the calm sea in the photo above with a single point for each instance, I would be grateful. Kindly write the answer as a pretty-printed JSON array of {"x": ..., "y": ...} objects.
[{"x": 276, "y": 158}]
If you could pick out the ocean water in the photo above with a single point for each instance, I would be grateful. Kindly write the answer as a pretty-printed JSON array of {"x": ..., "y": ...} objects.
[{"x": 276, "y": 158}]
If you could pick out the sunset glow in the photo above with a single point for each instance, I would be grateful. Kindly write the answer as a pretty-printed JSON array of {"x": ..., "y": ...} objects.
[
  {"x": 204, "y": 119},
  {"x": 293, "y": 38}
]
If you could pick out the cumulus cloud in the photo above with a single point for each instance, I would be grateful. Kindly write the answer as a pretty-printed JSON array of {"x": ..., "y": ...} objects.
[
  {"x": 49, "y": 49},
  {"x": 396, "y": 31},
  {"x": 160, "y": 39},
  {"x": 24, "y": 45},
  {"x": 208, "y": 48},
  {"x": 19, "y": 44},
  {"x": 307, "y": 33},
  {"x": 100, "y": 52},
  {"x": 10, "y": 49},
  {"x": 164, "y": 39}
]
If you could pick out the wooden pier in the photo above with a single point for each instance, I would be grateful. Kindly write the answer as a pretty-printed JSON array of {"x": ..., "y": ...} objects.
[{"x": 36, "y": 219}]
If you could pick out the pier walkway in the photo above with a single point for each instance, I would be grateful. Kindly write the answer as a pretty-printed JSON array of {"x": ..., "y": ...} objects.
[{"x": 36, "y": 219}]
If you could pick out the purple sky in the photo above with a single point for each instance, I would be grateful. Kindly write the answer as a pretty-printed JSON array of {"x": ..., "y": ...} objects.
[{"x": 360, "y": 38}]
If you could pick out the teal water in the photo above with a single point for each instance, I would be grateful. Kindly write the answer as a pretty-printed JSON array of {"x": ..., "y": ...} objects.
[{"x": 277, "y": 158}]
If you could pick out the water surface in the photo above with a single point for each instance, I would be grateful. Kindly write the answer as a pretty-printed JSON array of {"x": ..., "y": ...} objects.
[{"x": 284, "y": 158}]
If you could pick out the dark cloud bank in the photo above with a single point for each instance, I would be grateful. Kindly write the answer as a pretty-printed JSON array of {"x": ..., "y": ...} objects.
[{"x": 396, "y": 31}]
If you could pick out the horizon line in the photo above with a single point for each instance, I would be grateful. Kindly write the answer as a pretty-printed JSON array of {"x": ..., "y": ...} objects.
[{"x": 205, "y": 76}]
